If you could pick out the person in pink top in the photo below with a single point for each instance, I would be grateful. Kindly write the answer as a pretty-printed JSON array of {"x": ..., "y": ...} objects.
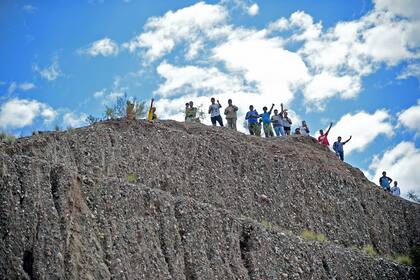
[{"x": 323, "y": 138}]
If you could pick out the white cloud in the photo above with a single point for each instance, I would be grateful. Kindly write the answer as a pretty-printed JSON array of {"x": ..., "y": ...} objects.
[
  {"x": 29, "y": 8},
  {"x": 405, "y": 8},
  {"x": 99, "y": 93},
  {"x": 12, "y": 88},
  {"x": 51, "y": 72},
  {"x": 74, "y": 120},
  {"x": 364, "y": 128},
  {"x": 326, "y": 85},
  {"x": 263, "y": 61},
  {"x": 410, "y": 118},
  {"x": 26, "y": 86},
  {"x": 114, "y": 95},
  {"x": 18, "y": 113},
  {"x": 104, "y": 47},
  {"x": 253, "y": 9},
  {"x": 412, "y": 70},
  {"x": 193, "y": 79},
  {"x": 163, "y": 33},
  {"x": 23, "y": 86},
  {"x": 400, "y": 163}
]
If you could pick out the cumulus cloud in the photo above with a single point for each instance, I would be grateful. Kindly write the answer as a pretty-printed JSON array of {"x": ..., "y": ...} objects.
[
  {"x": 399, "y": 163},
  {"x": 51, "y": 72},
  {"x": 104, "y": 47},
  {"x": 163, "y": 33},
  {"x": 410, "y": 118},
  {"x": 18, "y": 113},
  {"x": 196, "y": 79},
  {"x": 263, "y": 61},
  {"x": 364, "y": 128},
  {"x": 326, "y": 85},
  {"x": 72, "y": 119}
]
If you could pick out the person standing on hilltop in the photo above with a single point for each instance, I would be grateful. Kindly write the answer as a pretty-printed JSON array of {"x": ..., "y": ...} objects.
[
  {"x": 214, "y": 111},
  {"x": 395, "y": 190},
  {"x": 323, "y": 138},
  {"x": 265, "y": 118},
  {"x": 304, "y": 129},
  {"x": 287, "y": 122},
  {"x": 277, "y": 121},
  {"x": 338, "y": 147},
  {"x": 231, "y": 115},
  {"x": 252, "y": 118},
  {"x": 191, "y": 113},
  {"x": 385, "y": 182}
]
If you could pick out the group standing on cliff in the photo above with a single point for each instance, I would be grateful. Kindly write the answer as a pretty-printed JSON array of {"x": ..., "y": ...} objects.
[{"x": 279, "y": 124}]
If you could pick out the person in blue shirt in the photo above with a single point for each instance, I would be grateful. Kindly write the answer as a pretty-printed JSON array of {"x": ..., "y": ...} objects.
[
  {"x": 265, "y": 118},
  {"x": 338, "y": 147},
  {"x": 385, "y": 182},
  {"x": 252, "y": 118}
]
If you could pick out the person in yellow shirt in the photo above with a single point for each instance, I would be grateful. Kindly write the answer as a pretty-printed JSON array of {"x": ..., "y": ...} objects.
[{"x": 151, "y": 115}]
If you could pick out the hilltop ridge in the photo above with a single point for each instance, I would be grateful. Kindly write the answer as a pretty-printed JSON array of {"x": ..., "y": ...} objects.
[{"x": 167, "y": 200}]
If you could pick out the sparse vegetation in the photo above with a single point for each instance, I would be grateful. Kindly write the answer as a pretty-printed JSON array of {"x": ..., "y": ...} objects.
[
  {"x": 404, "y": 259},
  {"x": 7, "y": 138},
  {"x": 267, "y": 224},
  {"x": 131, "y": 178},
  {"x": 124, "y": 106},
  {"x": 91, "y": 119},
  {"x": 413, "y": 196},
  {"x": 310, "y": 235},
  {"x": 369, "y": 250},
  {"x": 57, "y": 128}
]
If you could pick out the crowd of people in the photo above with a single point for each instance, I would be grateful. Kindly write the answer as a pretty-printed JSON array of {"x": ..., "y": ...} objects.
[
  {"x": 273, "y": 123},
  {"x": 278, "y": 124}
]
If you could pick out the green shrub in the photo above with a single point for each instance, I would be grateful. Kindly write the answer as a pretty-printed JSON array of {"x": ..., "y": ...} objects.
[
  {"x": 404, "y": 259},
  {"x": 310, "y": 235},
  {"x": 266, "y": 224},
  {"x": 131, "y": 178},
  {"x": 7, "y": 138},
  {"x": 369, "y": 250}
]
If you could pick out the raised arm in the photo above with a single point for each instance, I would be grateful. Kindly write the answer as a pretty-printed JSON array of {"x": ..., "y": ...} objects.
[
  {"x": 271, "y": 109},
  {"x": 220, "y": 106},
  {"x": 282, "y": 109},
  {"x": 328, "y": 130},
  {"x": 347, "y": 140}
]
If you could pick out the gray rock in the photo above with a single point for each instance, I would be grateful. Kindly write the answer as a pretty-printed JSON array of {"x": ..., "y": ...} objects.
[{"x": 134, "y": 200}]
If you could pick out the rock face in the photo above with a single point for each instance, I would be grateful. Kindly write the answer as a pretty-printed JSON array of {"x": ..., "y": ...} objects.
[{"x": 167, "y": 200}]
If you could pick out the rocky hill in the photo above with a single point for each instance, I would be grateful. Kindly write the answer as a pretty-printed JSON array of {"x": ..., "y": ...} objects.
[{"x": 167, "y": 200}]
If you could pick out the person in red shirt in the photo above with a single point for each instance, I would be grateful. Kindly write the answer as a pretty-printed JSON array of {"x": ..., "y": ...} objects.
[{"x": 323, "y": 138}]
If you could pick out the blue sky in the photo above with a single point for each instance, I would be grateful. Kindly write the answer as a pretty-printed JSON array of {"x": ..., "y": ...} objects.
[{"x": 356, "y": 63}]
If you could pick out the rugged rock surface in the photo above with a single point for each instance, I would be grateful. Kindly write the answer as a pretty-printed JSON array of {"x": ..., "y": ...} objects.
[{"x": 167, "y": 200}]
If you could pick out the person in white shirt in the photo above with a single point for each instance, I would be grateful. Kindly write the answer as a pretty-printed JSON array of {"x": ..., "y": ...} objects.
[
  {"x": 304, "y": 129},
  {"x": 395, "y": 190},
  {"x": 214, "y": 111}
]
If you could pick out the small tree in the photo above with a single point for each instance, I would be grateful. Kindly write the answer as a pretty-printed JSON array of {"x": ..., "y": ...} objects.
[
  {"x": 413, "y": 196},
  {"x": 119, "y": 109},
  {"x": 91, "y": 119}
]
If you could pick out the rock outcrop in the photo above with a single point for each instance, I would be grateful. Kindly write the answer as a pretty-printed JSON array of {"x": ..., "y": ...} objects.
[{"x": 166, "y": 200}]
